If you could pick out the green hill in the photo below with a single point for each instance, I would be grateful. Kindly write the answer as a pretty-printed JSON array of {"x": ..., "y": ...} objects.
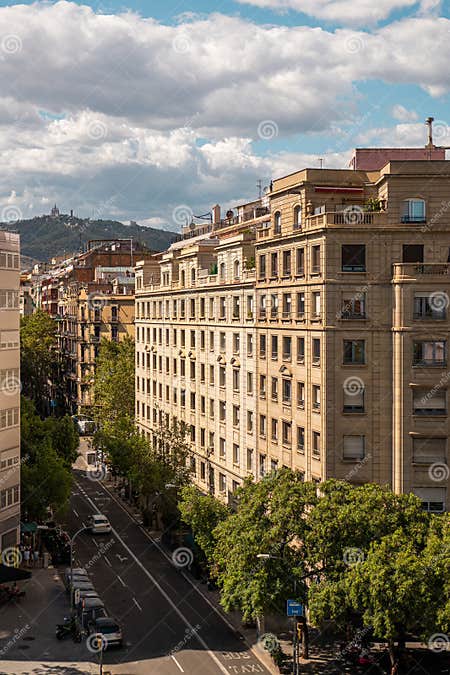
[{"x": 44, "y": 237}]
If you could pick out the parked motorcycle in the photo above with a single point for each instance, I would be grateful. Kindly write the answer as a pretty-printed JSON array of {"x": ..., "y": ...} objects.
[{"x": 68, "y": 628}]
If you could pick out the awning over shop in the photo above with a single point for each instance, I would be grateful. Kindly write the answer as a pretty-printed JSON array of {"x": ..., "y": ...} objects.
[{"x": 28, "y": 527}]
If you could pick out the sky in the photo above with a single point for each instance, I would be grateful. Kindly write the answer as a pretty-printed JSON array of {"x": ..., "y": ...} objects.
[{"x": 152, "y": 110}]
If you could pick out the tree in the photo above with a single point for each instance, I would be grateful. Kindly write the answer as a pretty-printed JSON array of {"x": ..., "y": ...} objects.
[
  {"x": 270, "y": 519},
  {"x": 202, "y": 513},
  {"x": 46, "y": 476},
  {"x": 38, "y": 364},
  {"x": 114, "y": 383}
]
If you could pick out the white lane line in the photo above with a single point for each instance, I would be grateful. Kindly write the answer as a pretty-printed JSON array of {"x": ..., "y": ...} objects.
[
  {"x": 76, "y": 513},
  {"x": 107, "y": 560},
  {"x": 172, "y": 656},
  {"x": 166, "y": 596},
  {"x": 122, "y": 581},
  {"x": 83, "y": 524},
  {"x": 137, "y": 604}
]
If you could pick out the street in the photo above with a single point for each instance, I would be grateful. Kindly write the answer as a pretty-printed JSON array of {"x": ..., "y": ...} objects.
[{"x": 167, "y": 622}]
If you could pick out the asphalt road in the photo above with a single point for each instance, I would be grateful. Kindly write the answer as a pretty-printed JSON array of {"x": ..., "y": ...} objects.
[{"x": 169, "y": 626}]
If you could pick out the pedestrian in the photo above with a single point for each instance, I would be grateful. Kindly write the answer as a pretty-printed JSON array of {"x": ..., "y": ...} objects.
[
  {"x": 26, "y": 556},
  {"x": 36, "y": 557}
]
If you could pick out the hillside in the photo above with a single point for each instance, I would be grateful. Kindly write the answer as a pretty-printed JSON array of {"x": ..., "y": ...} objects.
[{"x": 43, "y": 237}]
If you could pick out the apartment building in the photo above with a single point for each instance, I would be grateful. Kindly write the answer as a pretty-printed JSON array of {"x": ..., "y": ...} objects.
[
  {"x": 196, "y": 345},
  {"x": 9, "y": 390},
  {"x": 353, "y": 288},
  {"x": 332, "y": 360}
]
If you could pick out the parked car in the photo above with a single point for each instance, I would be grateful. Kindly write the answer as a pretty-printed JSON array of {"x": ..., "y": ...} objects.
[
  {"x": 99, "y": 524},
  {"x": 76, "y": 572},
  {"x": 109, "y": 629},
  {"x": 78, "y": 586},
  {"x": 76, "y": 579},
  {"x": 89, "y": 610}
]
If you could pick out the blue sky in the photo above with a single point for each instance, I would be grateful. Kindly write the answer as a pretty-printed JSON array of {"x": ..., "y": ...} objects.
[{"x": 128, "y": 116}]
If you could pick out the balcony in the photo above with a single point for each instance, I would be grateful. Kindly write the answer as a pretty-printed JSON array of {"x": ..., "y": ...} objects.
[{"x": 420, "y": 271}]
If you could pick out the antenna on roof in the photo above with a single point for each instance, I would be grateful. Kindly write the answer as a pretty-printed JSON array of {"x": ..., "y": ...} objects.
[
  {"x": 320, "y": 162},
  {"x": 429, "y": 122}
]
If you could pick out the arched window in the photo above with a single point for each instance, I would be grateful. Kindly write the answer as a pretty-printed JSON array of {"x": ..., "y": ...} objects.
[
  {"x": 297, "y": 217},
  {"x": 222, "y": 271},
  {"x": 237, "y": 269},
  {"x": 413, "y": 211},
  {"x": 183, "y": 278},
  {"x": 277, "y": 223}
]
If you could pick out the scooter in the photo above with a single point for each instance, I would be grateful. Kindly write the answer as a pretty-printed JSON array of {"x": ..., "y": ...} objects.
[{"x": 69, "y": 627}]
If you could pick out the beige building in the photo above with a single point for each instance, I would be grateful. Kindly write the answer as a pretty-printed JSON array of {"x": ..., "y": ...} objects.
[
  {"x": 333, "y": 360},
  {"x": 9, "y": 390}
]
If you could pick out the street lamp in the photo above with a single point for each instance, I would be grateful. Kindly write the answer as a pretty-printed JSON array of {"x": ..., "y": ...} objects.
[{"x": 82, "y": 529}]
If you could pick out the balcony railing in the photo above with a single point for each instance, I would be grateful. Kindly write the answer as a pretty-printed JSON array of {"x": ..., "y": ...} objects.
[{"x": 414, "y": 270}]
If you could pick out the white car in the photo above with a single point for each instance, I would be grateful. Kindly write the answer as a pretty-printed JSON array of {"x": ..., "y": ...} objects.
[{"x": 99, "y": 524}]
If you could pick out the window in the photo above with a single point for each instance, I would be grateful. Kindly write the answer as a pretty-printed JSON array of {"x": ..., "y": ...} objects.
[
  {"x": 429, "y": 450},
  {"x": 249, "y": 383},
  {"x": 315, "y": 260},
  {"x": 235, "y": 453},
  {"x": 236, "y": 343},
  {"x": 262, "y": 425},
  {"x": 433, "y": 498},
  {"x": 211, "y": 407},
  {"x": 236, "y": 379},
  {"x": 249, "y": 459},
  {"x": 202, "y": 405},
  {"x": 274, "y": 351},
  {"x": 211, "y": 308},
  {"x": 249, "y": 306},
  {"x": 192, "y": 400},
  {"x": 222, "y": 342},
  {"x": 211, "y": 341},
  {"x": 202, "y": 340},
  {"x": 287, "y": 305},
  {"x": 222, "y": 376},
  {"x": 9, "y": 260},
  {"x": 316, "y": 351},
  {"x": 301, "y": 439},
  {"x": 353, "y": 257},
  {"x": 413, "y": 211},
  {"x": 222, "y": 482},
  {"x": 250, "y": 344},
  {"x": 316, "y": 305},
  {"x": 236, "y": 307},
  {"x": 262, "y": 386},
  {"x": 430, "y": 306},
  {"x": 287, "y": 391},
  {"x": 193, "y": 339},
  {"x": 353, "y": 447},
  {"x": 412, "y": 253},
  {"x": 429, "y": 402},
  {"x": 202, "y": 308},
  {"x": 286, "y": 433},
  {"x": 274, "y": 265},
  {"x": 211, "y": 443},
  {"x": 353, "y": 396},
  {"x": 297, "y": 217},
  {"x": 9, "y": 497},
  {"x": 300, "y": 262},
  {"x": 430, "y": 353},
  {"x": 277, "y": 223},
  {"x": 316, "y": 444},
  {"x": 316, "y": 397},
  {"x": 300, "y": 305},
  {"x": 9, "y": 299},
  {"x": 222, "y": 448},
  {"x": 262, "y": 465},
  {"x": 192, "y": 309},
  {"x": 354, "y": 351},
  {"x": 202, "y": 471},
  {"x": 300, "y": 394},
  {"x": 249, "y": 421},
  {"x": 222, "y": 271},
  {"x": 287, "y": 263},
  {"x": 222, "y": 411},
  {"x": 274, "y": 429},
  {"x": 273, "y": 306},
  {"x": 9, "y": 418},
  {"x": 274, "y": 389},
  {"x": 236, "y": 415},
  {"x": 301, "y": 350},
  {"x": 236, "y": 269},
  {"x": 353, "y": 306},
  {"x": 262, "y": 267},
  {"x": 222, "y": 307},
  {"x": 211, "y": 374},
  {"x": 287, "y": 348},
  {"x": 262, "y": 346},
  {"x": 262, "y": 307}
]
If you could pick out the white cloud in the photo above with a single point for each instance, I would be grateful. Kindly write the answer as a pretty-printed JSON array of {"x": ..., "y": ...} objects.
[
  {"x": 347, "y": 12},
  {"x": 401, "y": 114},
  {"x": 124, "y": 115}
]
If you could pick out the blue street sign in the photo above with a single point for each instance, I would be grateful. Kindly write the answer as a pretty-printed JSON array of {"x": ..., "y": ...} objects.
[{"x": 294, "y": 608}]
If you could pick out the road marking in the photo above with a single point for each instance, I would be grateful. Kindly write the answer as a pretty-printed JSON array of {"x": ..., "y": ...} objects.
[
  {"x": 107, "y": 560},
  {"x": 137, "y": 604},
  {"x": 121, "y": 581},
  {"x": 76, "y": 513},
  {"x": 166, "y": 596},
  {"x": 172, "y": 656}
]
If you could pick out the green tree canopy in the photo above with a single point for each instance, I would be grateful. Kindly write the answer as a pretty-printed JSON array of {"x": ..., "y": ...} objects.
[
  {"x": 202, "y": 513},
  {"x": 114, "y": 383},
  {"x": 37, "y": 358}
]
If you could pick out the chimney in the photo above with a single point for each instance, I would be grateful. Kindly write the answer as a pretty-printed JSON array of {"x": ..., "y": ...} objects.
[
  {"x": 216, "y": 214},
  {"x": 429, "y": 122}
]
